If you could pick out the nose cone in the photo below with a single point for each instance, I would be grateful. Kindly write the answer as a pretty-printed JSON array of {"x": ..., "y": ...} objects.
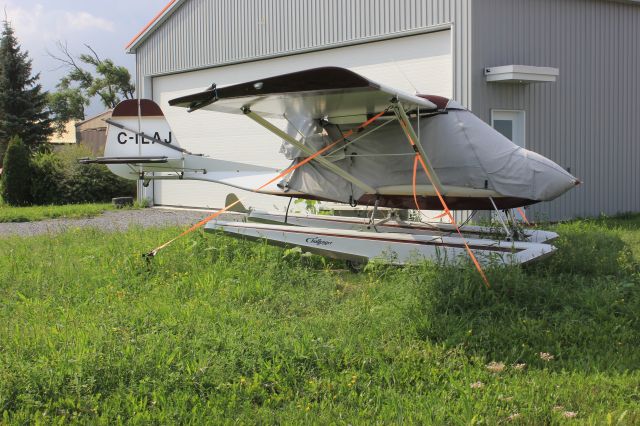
[
  {"x": 549, "y": 179},
  {"x": 479, "y": 154}
]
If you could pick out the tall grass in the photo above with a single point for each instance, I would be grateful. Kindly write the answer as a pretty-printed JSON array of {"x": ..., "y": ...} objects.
[{"x": 222, "y": 330}]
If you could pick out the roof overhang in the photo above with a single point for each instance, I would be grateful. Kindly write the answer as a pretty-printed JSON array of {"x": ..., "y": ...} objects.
[
  {"x": 521, "y": 74},
  {"x": 151, "y": 26}
]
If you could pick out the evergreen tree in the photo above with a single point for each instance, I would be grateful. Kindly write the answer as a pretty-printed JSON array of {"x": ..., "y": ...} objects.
[
  {"x": 23, "y": 104},
  {"x": 16, "y": 174}
]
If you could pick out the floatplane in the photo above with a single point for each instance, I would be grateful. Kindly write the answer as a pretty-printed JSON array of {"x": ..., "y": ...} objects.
[{"x": 353, "y": 141}]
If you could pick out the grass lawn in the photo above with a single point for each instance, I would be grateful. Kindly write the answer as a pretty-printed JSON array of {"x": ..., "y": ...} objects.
[
  {"x": 35, "y": 213},
  {"x": 221, "y": 330}
]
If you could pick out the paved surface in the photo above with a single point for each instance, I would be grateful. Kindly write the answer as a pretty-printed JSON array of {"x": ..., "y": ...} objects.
[{"x": 112, "y": 220}]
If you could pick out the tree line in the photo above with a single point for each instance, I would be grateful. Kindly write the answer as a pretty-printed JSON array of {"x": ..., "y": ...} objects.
[{"x": 29, "y": 115}]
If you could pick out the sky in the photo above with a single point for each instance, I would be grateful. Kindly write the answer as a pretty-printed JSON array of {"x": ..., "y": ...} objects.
[{"x": 107, "y": 26}]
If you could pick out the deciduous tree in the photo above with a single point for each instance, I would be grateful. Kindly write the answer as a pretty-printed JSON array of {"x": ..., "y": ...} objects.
[
  {"x": 66, "y": 104},
  {"x": 88, "y": 75}
]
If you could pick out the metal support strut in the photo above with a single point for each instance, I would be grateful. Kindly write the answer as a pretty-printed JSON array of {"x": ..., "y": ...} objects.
[
  {"x": 302, "y": 147},
  {"x": 504, "y": 225},
  {"x": 415, "y": 142},
  {"x": 372, "y": 219}
]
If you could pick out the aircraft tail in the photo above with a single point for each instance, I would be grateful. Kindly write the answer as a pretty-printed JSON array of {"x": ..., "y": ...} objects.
[{"x": 141, "y": 145}]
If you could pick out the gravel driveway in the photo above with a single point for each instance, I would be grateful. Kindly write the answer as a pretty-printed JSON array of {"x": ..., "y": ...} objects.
[{"x": 112, "y": 220}]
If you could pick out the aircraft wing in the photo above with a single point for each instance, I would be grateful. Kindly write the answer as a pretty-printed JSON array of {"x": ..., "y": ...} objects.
[{"x": 328, "y": 92}]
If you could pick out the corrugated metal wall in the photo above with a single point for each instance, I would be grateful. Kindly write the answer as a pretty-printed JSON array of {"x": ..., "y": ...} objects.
[
  {"x": 206, "y": 33},
  {"x": 590, "y": 119}
]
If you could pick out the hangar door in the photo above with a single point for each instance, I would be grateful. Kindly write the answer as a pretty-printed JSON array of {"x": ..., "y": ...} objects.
[{"x": 420, "y": 63}]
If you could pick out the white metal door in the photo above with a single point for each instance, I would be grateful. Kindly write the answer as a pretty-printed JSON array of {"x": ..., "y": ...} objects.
[{"x": 420, "y": 63}]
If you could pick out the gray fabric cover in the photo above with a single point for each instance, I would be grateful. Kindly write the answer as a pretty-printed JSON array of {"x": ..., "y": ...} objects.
[{"x": 463, "y": 150}]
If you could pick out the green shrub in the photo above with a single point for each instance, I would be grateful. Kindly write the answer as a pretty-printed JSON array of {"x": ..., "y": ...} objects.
[
  {"x": 16, "y": 174},
  {"x": 59, "y": 179},
  {"x": 49, "y": 177},
  {"x": 93, "y": 182}
]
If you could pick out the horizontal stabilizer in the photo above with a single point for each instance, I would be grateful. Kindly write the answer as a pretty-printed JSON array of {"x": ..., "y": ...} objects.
[{"x": 123, "y": 160}]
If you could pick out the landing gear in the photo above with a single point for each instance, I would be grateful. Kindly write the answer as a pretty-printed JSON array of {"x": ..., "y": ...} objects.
[{"x": 513, "y": 230}]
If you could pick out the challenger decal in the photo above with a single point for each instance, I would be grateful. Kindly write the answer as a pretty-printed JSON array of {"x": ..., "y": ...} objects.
[{"x": 318, "y": 241}]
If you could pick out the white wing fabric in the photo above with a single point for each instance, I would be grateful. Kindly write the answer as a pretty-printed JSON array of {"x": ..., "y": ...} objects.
[{"x": 331, "y": 93}]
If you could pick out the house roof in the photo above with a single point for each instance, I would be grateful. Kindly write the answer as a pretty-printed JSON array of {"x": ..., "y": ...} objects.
[
  {"x": 98, "y": 118},
  {"x": 173, "y": 5}
]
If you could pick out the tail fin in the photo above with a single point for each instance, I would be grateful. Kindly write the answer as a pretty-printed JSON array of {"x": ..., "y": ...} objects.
[
  {"x": 139, "y": 140},
  {"x": 233, "y": 200},
  {"x": 138, "y": 128}
]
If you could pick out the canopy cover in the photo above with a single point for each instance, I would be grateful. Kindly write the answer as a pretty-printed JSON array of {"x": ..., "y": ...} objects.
[{"x": 464, "y": 151}]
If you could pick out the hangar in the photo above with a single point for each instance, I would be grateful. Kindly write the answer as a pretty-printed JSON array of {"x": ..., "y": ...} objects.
[{"x": 557, "y": 77}]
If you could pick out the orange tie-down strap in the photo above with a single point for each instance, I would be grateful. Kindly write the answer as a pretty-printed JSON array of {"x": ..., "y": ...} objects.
[
  {"x": 209, "y": 218},
  {"x": 524, "y": 216},
  {"x": 444, "y": 206},
  {"x": 440, "y": 216}
]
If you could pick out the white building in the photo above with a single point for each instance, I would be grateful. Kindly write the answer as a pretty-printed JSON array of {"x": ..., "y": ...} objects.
[{"x": 557, "y": 76}]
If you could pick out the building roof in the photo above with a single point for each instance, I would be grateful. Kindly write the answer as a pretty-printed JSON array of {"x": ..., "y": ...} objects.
[
  {"x": 173, "y": 5},
  {"x": 94, "y": 121},
  {"x": 106, "y": 113},
  {"x": 151, "y": 26}
]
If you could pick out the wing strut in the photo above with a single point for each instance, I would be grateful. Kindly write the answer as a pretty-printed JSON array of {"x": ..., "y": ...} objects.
[
  {"x": 323, "y": 161},
  {"x": 411, "y": 135},
  {"x": 433, "y": 178}
]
